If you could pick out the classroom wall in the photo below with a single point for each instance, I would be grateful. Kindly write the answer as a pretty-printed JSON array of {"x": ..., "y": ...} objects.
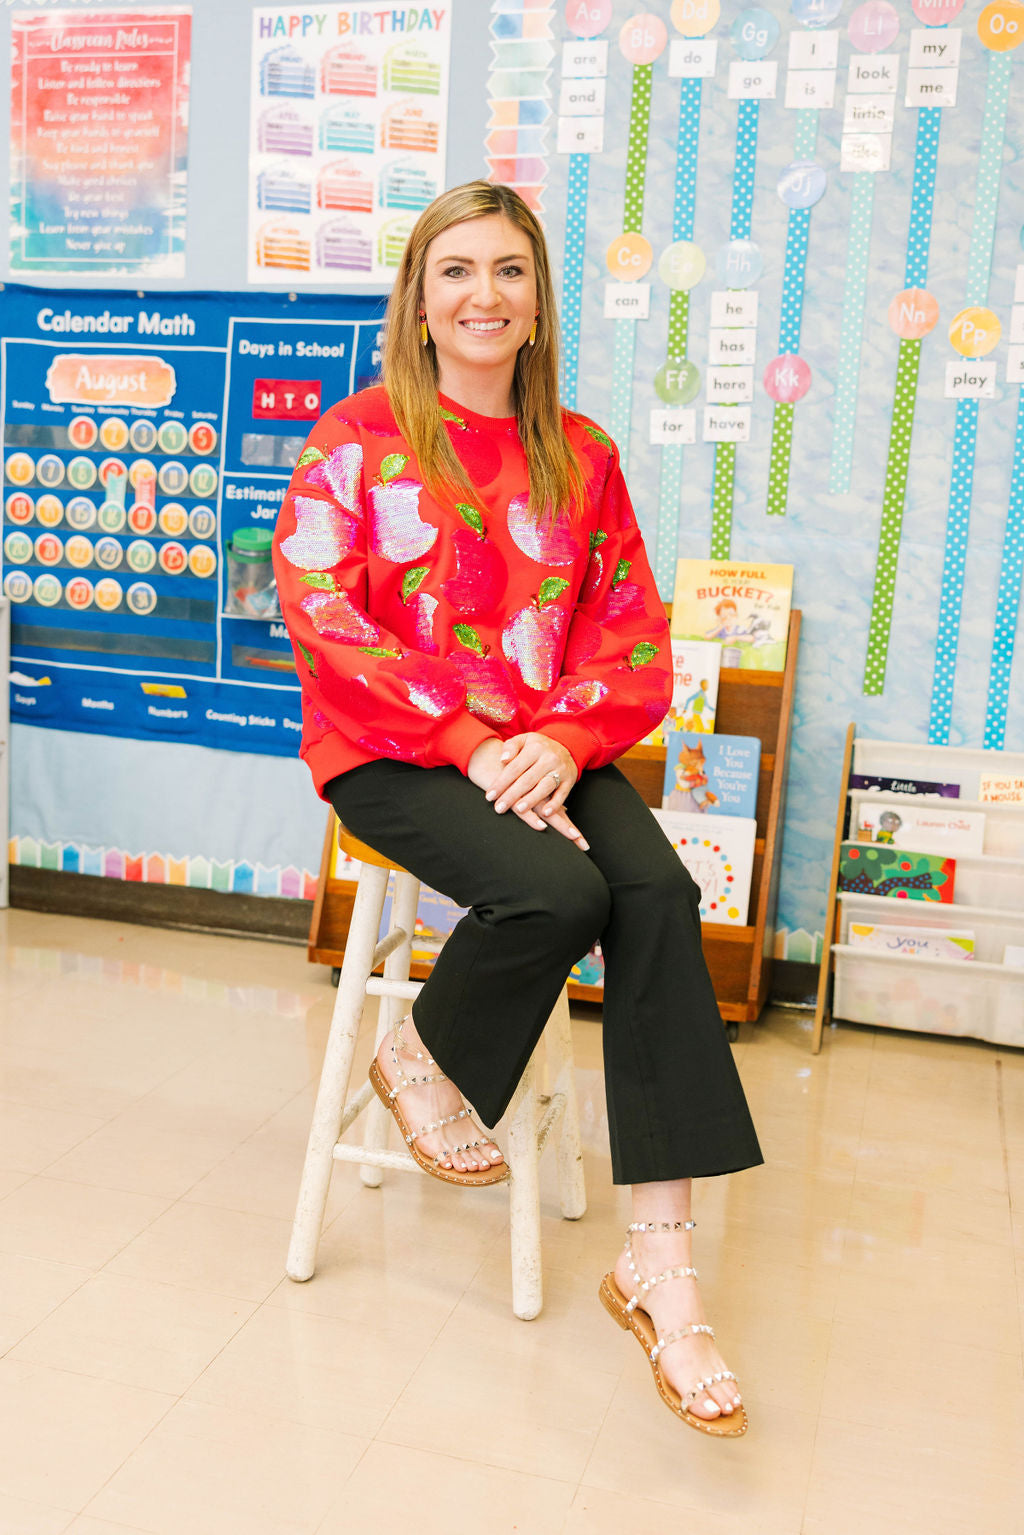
[{"x": 183, "y": 799}]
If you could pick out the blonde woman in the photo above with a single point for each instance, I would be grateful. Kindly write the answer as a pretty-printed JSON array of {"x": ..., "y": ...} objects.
[{"x": 478, "y": 637}]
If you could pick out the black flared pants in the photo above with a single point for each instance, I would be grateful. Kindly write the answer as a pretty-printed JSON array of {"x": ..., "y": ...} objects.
[{"x": 537, "y": 903}]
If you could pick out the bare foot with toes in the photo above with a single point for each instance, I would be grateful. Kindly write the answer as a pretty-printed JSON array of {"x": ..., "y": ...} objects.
[
  {"x": 671, "y": 1305},
  {"x": 453, "y": 1141}
]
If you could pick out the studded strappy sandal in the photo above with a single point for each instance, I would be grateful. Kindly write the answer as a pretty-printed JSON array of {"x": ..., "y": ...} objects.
[
  {"x": 389, "y": 1097},
  {"x": 629, "y": 1314}
]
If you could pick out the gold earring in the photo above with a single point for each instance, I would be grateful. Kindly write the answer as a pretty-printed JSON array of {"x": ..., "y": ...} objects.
[
  {"x": 424, "y": 337},
  {"x": 533, "y": 331}
]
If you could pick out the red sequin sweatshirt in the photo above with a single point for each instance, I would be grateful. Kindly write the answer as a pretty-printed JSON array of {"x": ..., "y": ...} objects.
[{"x": 422, "y": 627}]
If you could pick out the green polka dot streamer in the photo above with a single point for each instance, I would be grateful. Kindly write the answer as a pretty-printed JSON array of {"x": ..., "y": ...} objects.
[
  {"x": 893, "y": 498},
  {"x": 722, "y": 499},
  {"x": 778, "y": 464},
  {"x": 678, "y": 323},
  {"x": 636, "y": 154}
]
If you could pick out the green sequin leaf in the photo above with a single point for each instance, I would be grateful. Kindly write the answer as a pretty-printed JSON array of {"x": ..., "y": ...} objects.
[
  {"x": 379, "y": 650},
  {"x": 470, "y": 515},
  {"x": 320, "y": 579},
  {"x": 621, "y": 571},
  {"x": 597, "y": 539},
  {"x": 309, "y": 658},
  {"x": 392, "y": 466},
  {"x": 598, "y": 435},
  {"x": 449, "y": 415},
  {"x": 467, "y": 635},
  {"x": 412, "y": 579},
  {"x": 641, "y": 654},
  {"x": 553, "y": 587},
  {"x": 310, "y": 455}
]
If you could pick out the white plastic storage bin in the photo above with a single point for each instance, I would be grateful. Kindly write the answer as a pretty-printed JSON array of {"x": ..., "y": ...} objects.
[
  {"x": 930, "y": 996},
  {"x": 992, "y": 930}
]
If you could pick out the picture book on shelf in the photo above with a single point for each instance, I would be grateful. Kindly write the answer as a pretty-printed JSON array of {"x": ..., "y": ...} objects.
[
  {"x": 871, "y": 868},
  {"x": 1001, "y": 788},
  {"x": 711, "y": 775},
  {"x": 695, "y": 665},
  {"x": 913, "y": 942},
  {"x": 745, "y": 606},
  {"x": 720, "y": 858},
  {"x": 903, "y": 785},
  {"x": 927, "y": 828}
]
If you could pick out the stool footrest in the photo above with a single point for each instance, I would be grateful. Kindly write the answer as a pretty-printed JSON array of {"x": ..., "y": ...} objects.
[
  {"x": 380, "y": 986},
  {"x": 370, "y": 1157},
  {"x": 355, "y": 1106},
  {"x": 388, "y": 945}
]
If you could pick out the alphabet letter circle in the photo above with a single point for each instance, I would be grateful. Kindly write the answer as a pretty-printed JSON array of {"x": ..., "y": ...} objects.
[
  {"x": 873, "y": 26},
  {"x": 642, "y": 38},
  {"x": 586, "y": 18},
  {"x": 629, "y": 258},
  {"x": 695, "y": 18},
  {"x": 913, "y": 313},
  {"x": 816, "y": 13},
  {"x": 677, "y": 381},
  {"x": 787, "y": 378},
  {"x": 1001, "y": 25},
  {"x": 974, "y": 332},
  {"x": 754, "y": 33},
  {"x": 682, "y": 265},
  {"x": 936, "y": 13},
  {"x": 802, "y": 184}
]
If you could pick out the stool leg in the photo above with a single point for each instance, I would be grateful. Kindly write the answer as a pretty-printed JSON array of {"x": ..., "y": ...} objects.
[
  {"x": 390, "y": 1010},
  {"x": 524, "y": 1198},
  {"x": 572, "y": 1190},
  {"x": 330, "y": 1099}
]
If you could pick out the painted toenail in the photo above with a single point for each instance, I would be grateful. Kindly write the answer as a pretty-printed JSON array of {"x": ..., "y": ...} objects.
[
  {"x": 727, "y": 1407},
  {"x": 495, "y": 1156}
]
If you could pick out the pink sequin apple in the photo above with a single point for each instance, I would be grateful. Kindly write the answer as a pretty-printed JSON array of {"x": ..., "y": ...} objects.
[
  {"x": 622, "y": 597},
  {"x": 490, "y": 692},
  {"x": 574, "y": 697},
  {"x": 340, "y": 473},
  {"x": 323, "y": 535},
  {"x": 397, "y": 532},
  {"x": 481, "y": 572},
  {"x": 433, "y": 687},
  {"x": 422, "y": 606},
  {"x": 551, "y": 541},
  {"x": 534, "y": 637},
  {"x": 335, "y": 616}
]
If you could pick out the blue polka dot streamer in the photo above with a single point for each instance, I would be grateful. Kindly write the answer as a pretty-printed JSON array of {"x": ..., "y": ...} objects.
[
  {"x": 744, "y": 170},
  {"x": 990, "y": 165},
  {"x": 922, "y": 196},
  {"x": 958, "y": 519},
  {"x": 572, "y": 273},
  {"x": 670, "y": 493},
  {"x": 1011, "y": 576},
  {"x": 794, "y": 276}
]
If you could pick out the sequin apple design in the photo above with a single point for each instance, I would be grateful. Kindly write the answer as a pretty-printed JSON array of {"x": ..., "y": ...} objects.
[
  {"x": 334, "y": 615},
  {"x": 574, "y": 697},
  {"x": 650, "y": 686},
  {"x": 397, "y": 532},
  {"x": 622, "y": 597},
  {"x": 595, "y": 570},
  {"x": 481, "y": 572},
  {"x": 423, "y": 607},
  {"x": 551, "y": 541},
  {"x": 479, "y": 454},
  {"x": 323, "y": 535},
  {"x": 340, "y": 472},
  {"x": 490, "y": 692},
  {"x": 433, "y": 689},
  {"x": 532, "y": 639}
]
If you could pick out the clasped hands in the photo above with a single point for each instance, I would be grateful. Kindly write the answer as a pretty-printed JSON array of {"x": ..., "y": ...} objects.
[{"x": 517, "y": 775}]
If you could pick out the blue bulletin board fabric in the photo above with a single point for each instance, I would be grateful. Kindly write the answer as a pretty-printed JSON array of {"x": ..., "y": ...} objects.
[{"x": 141, "y": 434}]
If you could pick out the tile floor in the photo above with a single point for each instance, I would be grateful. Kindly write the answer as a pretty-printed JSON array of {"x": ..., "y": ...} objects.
[{"x": 159, "y": 1374}]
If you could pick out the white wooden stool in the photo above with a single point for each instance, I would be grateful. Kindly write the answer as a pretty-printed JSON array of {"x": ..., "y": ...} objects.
[{"x": 532, "y": 1114}]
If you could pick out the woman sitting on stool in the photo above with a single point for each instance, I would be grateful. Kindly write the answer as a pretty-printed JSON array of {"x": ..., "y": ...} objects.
[{"x": 478, "y": 636}]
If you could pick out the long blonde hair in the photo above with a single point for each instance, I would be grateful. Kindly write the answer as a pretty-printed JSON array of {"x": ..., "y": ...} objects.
[{"x": 410, "y": 375}]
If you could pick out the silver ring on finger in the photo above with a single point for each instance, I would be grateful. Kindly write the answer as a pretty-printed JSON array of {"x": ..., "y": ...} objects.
[{"x": 556, "y": 775}]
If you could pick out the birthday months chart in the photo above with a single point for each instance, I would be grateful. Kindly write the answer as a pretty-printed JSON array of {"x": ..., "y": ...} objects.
[{"x": 147, "y": 446}]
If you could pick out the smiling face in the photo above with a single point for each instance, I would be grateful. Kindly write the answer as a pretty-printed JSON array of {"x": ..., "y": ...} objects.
[{"x": 480, "y": 298}]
